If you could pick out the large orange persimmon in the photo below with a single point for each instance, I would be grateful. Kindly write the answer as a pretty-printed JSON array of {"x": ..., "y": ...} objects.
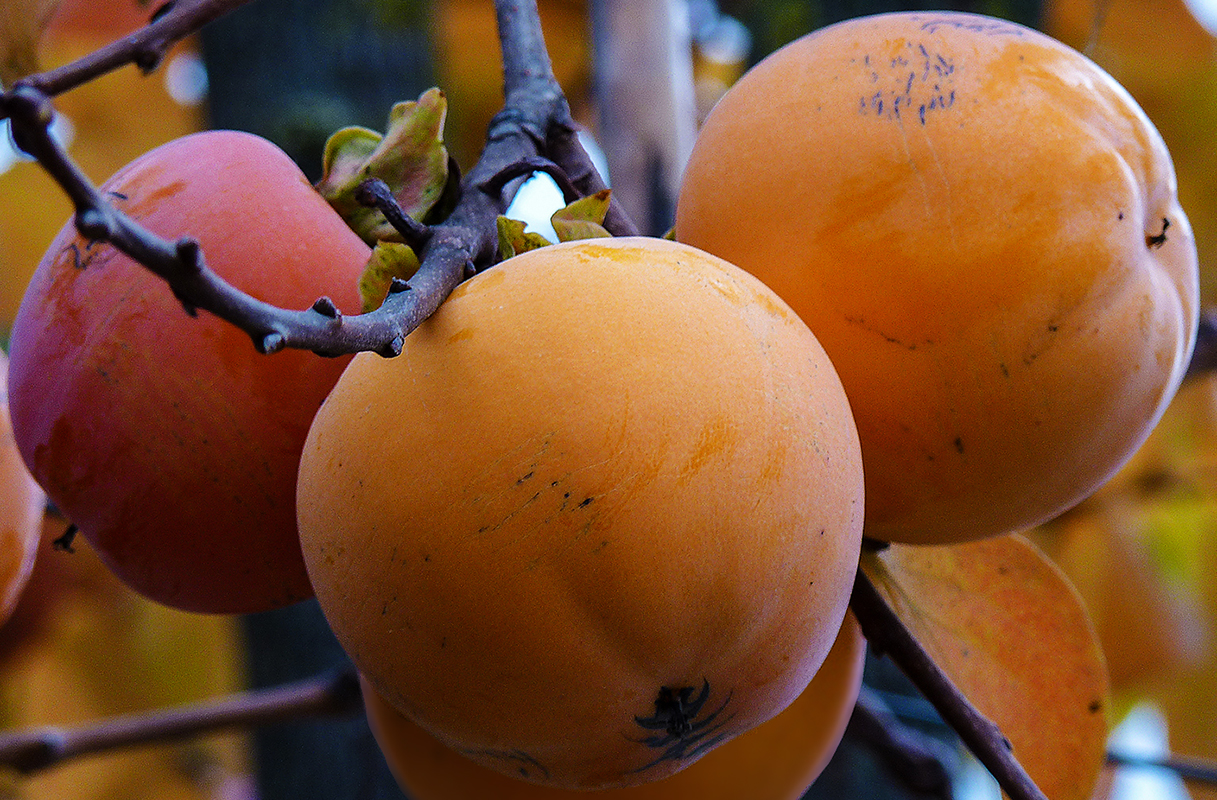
[
  {"x": 777, "y": 760},
  {"x": 21, "y": 508},
  {"x": 168, "y": 439},
  {"x": 981, "y": 227},
  {"x": 601, "y": 515}
]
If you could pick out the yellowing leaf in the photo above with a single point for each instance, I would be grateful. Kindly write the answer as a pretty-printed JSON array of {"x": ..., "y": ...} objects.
[
  {"x": 411, "y": 158},
  {"x": 1010, "y": 630},
  {"x": 582, "y": 219},
  {"x": 513, "y": 239},
  {"x": 21, "y": 25},
  {"x": 389, "y": 260}
]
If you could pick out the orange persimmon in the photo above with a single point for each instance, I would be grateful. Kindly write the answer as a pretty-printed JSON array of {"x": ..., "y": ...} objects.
[
  {"x": 981, "y": 227},
  {"x": 21, "y": 507},
  {"x": 601, "y": 515},
  {"x": 168, "y": 439},
  {"x": 777, "y": 760}
]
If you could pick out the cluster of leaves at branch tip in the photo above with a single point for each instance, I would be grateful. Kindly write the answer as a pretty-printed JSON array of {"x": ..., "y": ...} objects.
[
  {"x": 581, "y": 219},
  {"x": 413, "y": 161}
]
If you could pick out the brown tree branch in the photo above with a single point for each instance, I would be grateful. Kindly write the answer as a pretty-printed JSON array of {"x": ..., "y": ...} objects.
[
  {"x": 888, "y": 636},
  {"x": 144, "y": 48},
  {"x": 455, "y": 248},
  {"x": 38, "y": 749}
]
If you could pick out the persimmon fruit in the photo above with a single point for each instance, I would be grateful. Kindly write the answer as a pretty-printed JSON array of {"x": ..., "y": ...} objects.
[
  {"x": 981, "y": 227},
  {"x": 22, "y": 504},
  {"x": 168, "y": 439},
  {"x": 601, "y": 515},
  {"x": 776, "y": 760}
]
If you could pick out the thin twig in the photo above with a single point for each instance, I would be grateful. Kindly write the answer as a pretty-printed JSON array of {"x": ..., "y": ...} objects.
[
  {"x": 888, "y": 635},
  {"x": 34, "y": 750},
  {"x": 1101, "y": 8},
  {"x": 458, "y": 246},
  {"x": 558, "y": 138},
  {"x": 898, "y": 747},
  {"x": 1195, "y": 770},
  {"x": 528, "y": 166},
  {"x": 144, "y": 48},
  {"x": 376, "y": 193}
]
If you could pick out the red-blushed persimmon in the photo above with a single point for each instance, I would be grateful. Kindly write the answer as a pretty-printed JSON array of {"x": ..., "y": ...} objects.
[
  {"x": 981, "y": 227},
  {"x": 601, "y": 515},
  {"x": 22, "y": 504},
  {"x": 168, "y": 439},
  {"x": 776, "y": 760}
]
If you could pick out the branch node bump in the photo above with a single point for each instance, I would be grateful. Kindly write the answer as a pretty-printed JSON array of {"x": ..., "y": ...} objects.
[
  {"x": 272, "y": 342},
  {"x": 32, "y": 104},
  {"x": 93, "y": 224},
  {"x": 190, "y": 308},
  {"x": 147, "y": 59},
  {"x": 326, "y": 308},
  {"x": 189, "y": 253},
  {"x": 392, "y": 349}
]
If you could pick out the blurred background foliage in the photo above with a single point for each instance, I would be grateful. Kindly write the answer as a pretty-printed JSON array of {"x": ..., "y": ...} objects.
[{"x": 1142, "y": 552}]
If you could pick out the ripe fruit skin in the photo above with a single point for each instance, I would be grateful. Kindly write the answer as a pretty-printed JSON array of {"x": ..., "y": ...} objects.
[
  {"x": 21, "y": 507},
  {"x": 607, "y": 479},
  {"x": 969, "y": 216},
  {"x": 167, "y": 439},
  {"x": 776, "y": 760}
]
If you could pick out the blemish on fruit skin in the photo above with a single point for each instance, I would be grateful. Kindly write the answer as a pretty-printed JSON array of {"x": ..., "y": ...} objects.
[
  {"x": 718, "y": 436},
  {"x": 526, "y": 765},
  {"x": 771, "y": 306},
  {"x": 921, "y": 82},
  {"x": 462, "y": 335},
  {"x": 1157, "y": 240}
]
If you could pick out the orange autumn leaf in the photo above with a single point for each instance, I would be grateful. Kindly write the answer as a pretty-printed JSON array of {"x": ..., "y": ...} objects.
[{"x": 1011, "y": 632}]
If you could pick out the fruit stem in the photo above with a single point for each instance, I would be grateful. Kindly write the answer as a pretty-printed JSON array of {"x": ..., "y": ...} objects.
[
  {"x": 376, "y": 193},
  {"x": 888, "y": 636}
]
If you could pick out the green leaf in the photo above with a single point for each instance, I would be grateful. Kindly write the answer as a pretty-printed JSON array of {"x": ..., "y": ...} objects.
[
  {"x": 582, "y": 219},
  {"x": 513, "y": 239},
  {"x": 411, "y": 158},
  {"x": 389, "y": 260},
  {"x": 1010, "y": 630}
]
